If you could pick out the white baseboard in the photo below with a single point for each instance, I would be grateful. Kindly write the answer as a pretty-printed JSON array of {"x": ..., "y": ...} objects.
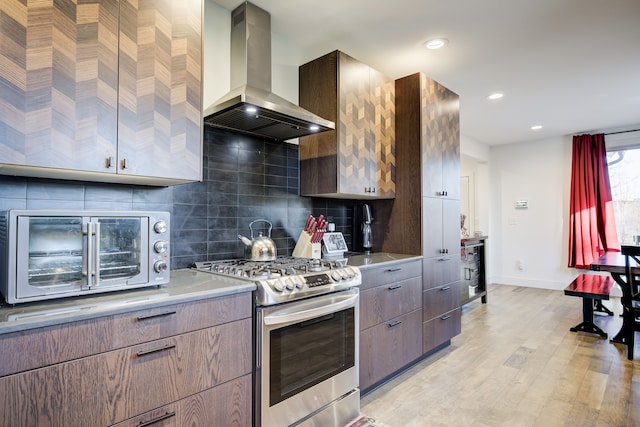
[{"x": 530, "y": 283}]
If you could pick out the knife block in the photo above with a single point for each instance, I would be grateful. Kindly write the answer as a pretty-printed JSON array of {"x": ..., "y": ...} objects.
[{"x": 305, "y": 249}]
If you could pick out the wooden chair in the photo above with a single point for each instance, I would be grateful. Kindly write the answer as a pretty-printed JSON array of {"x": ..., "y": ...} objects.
[{"x": 631, "y": 298}]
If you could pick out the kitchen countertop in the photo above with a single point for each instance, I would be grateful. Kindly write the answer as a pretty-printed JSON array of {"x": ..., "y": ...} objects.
[
  {"x": 378, "y": 259},
  {"x": 185, "y": 286},
  {"x": 472, "y": 239}
]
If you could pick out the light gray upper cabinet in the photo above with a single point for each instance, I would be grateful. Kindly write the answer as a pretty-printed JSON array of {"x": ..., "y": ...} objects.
[{"x": 105, "y": 90}]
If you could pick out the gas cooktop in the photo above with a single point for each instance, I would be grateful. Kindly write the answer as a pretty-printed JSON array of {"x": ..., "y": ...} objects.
[{"x": 287, "y": 278}]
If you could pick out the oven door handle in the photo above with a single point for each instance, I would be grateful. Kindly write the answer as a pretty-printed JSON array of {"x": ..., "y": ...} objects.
[{"x": 312, "y": 308}]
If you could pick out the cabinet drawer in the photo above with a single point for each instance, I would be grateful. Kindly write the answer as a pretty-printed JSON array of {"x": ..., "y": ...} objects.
[
  {"x": 441, "y": 270},
  {"x": 111, "y": 387},
  {"x": 376, "y": 276},
  {"x": 389, "y": 301},
  {"x": 55, "y": 344},
  {"x": 228, "y": 404},
  {"x": 440, "y": 300},
  {"x": 387, "y": 347},
  {"x": 441, "y": 329}
]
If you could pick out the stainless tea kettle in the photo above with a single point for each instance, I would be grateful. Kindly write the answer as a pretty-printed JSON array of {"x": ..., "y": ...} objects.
[{"x": 262, "y": 248}]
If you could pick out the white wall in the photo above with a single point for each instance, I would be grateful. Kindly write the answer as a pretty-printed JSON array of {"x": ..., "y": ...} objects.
[{"x": 529, "y": 246}]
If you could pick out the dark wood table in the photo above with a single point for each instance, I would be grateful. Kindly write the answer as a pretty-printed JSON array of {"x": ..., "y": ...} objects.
[
  {"x": 614, "y": 264},
  {"x": 591, "y": 288}
]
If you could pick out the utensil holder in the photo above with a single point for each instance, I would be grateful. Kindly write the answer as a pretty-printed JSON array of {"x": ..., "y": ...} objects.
[{"x": 305, "y": 249}]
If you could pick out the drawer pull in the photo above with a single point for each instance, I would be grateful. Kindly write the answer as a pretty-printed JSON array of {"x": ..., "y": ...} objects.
[
  {"x": 155, "y": 315},
  {"x": 445, "y": 288},
  {"x": 444, "y": 259},
  {"x": 394, "y": 323},
  {"x": 394, "y": 287},
  {"x": 445, "y": 317},
  {"x": 391, "y": 270},
  {"x": 158, "y": 419},
  {"x": 155, "y": 350}
]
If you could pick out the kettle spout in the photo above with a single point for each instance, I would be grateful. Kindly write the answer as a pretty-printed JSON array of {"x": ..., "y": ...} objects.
[{"x": 245, "y": 240}]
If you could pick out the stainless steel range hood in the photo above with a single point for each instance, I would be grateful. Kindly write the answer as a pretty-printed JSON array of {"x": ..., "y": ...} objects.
[{"x": 251, "y": 107}]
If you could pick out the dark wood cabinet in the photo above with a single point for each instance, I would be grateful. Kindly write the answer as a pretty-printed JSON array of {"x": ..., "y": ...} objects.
[
  {"x": 357, "y": 159},
  {"x": 390, "y": 320},
  {"x": 440, "y": 329},
  {"x": 428, "y": 128},
  {"x": 102, "y": 90},
  {"x": 112, "y": 369},
  {"x": 473, "y": 270},
  {"x": 388, "y": 347}
]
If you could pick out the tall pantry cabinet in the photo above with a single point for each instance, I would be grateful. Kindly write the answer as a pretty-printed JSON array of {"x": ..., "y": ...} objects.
[
  {"x": 105, "y": 90},
  {"x": 425, "y": 219}
]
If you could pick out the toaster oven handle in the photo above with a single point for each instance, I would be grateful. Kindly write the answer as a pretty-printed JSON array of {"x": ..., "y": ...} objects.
[
  {"x": 96, "y": 253},
  {"x": 88, "y": 231}
]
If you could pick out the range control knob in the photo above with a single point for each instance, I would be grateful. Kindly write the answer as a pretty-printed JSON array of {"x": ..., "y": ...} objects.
[
  {"x": 335, "y": 276},
  {"x": 161, "y": 246},
  {"x": 160, "y": 227},
  {"x": 277, "y": 285},
  {"x": 160, "y": 266},
  {"x": 289, "y": 283},
  {"x": 299, "y": 284}
]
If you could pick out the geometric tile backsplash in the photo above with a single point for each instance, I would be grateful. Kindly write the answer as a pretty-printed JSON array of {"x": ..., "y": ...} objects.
[{"x": 244, "y": 178}]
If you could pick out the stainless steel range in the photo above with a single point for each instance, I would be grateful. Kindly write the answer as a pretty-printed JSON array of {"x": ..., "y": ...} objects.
[{"x": 306, "y": 362}]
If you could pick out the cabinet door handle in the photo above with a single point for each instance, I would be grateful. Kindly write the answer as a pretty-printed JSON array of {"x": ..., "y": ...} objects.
[
  {"x": 445, "y": 288},
  {"x": 445, "y": 317},
  {"x": 157, "y": 419},
  {"x": 108, "y": 162},
  {"x": 391, "y": 270},
  {"x": 394, "y": 287},
  {"x": 394, "y": 323},
  {"x": 155, "y": 350},
  {"x": 155, "y": 315},
  {"x": 123, "y": 164}
]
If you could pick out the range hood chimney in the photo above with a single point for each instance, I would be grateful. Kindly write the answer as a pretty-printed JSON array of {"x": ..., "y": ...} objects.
[{"x": 251, "y": 107}]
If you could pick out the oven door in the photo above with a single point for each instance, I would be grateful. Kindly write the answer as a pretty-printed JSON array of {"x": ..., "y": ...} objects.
[{"x": 307, "y": 358}]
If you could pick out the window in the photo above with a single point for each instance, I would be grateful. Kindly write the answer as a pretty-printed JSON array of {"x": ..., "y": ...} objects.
[{"x": 624, "y": 175}]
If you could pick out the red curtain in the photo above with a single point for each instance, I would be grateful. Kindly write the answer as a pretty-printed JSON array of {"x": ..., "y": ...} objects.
[{"x": 592, "y": 224}]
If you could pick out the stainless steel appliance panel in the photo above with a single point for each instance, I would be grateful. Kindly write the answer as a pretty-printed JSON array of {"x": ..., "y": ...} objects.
[
  {"x": 307, "y": 357},
  {"x": 51, "y": 254}
]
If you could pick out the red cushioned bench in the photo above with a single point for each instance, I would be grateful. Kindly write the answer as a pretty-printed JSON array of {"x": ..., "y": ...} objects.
[{"x": 590, "y": 287}]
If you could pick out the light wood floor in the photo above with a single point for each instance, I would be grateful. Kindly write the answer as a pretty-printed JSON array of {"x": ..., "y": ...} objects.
[{"x": 517, "y": 364}]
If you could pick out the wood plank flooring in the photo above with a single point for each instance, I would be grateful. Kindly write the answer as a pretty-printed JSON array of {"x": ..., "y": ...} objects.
[{"x": 517, "y": 364}]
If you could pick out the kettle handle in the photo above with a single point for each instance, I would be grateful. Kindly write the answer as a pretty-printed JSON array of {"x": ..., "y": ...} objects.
[{"x": 260, "y": 220}]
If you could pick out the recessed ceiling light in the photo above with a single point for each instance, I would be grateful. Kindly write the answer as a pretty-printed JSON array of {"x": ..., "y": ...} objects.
[
  {"x": 435, "y": 43},
  {"x": 495, "y": 96},
  {"x": 536, "y": 127}
]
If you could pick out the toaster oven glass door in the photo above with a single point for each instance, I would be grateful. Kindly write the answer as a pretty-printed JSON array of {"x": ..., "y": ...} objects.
[
  {"x": 122, "y": 251},
  {"x": 67, "y": 255}
]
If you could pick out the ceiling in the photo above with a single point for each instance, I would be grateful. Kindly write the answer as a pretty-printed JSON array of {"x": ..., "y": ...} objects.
[{"x": 571, "y": 66}]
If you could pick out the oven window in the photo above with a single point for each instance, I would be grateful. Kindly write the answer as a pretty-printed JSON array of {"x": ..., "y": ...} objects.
[
  {"x": 120, "y": 247},
  {"x": 55, "y": 251},
  {"x": 307, "y": 353}
]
